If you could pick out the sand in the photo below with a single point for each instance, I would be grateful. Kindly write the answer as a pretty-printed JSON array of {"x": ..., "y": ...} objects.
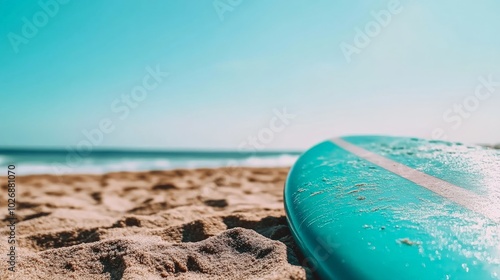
[{"x": 180, "y": 224}]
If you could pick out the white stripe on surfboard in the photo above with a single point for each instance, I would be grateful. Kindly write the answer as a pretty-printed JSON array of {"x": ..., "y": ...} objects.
[{"x": 477, "y": 203}]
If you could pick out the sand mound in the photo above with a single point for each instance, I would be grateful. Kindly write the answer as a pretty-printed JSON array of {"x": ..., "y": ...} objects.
[
  {"x": 234, "y": 254},
  {"x": 180, "y": 224}
]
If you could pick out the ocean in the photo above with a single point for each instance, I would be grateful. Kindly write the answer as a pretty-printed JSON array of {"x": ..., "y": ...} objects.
[{"x": 97, "y": 162}]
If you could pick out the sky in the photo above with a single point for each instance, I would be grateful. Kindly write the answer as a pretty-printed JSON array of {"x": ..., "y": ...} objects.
[{"x": 238, "y": 74}]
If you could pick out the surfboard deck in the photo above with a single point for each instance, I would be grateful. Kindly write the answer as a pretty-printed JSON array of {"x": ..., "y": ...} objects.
[{"x": 374, "y": 207}]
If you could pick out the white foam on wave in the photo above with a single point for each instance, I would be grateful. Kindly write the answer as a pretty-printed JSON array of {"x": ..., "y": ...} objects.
[
  {"x": 40, "y": 168},
  {"x": 90, "y": 167},
  {"x": 279, "y": 161},
  {"x": 98, "y": 167}
]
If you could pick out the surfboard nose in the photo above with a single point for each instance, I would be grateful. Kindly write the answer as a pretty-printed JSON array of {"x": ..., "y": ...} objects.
[{"x": 365, "y": 207}]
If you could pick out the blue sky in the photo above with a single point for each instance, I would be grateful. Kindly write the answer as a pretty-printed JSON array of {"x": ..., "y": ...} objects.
[{"x": 229, "y": 75}]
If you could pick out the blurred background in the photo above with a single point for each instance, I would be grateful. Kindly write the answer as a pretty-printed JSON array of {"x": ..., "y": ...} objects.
[{"x": 260, "y": 80}]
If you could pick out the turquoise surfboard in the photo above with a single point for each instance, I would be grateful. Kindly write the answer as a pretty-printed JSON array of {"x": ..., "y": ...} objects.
[{"x": 373, "y": 207}]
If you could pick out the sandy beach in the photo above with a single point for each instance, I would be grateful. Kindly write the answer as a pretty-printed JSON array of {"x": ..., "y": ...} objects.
[{"x": 179, "y": 224}]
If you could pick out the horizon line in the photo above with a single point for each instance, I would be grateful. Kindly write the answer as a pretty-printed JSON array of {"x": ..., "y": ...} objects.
[{"x": 175, "y": 151}]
